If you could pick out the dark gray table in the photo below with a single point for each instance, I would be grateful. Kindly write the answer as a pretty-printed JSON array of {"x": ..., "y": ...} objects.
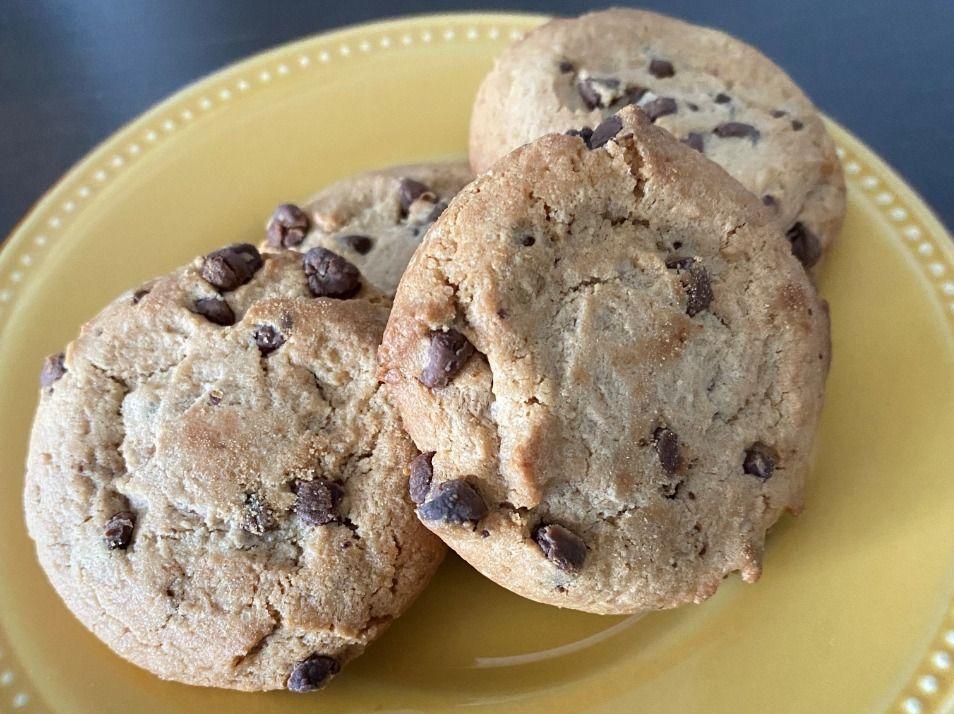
[{"x": 72, "y": 71}]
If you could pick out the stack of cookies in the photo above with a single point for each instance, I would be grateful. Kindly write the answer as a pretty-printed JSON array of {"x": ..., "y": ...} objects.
[{"x": 594, "y": 371}]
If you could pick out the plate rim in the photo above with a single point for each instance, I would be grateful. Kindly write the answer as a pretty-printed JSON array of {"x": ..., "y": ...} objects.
[{"x": 930, "y": 687}]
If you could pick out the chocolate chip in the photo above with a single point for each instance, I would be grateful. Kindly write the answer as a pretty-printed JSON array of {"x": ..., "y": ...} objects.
[
  {"x": 722, "y": 98},
  {"x": 287, "y": 227},
  {"x": 660, "y": 107},
  {"x": 456, "y": 502},
  {"x": 593, "y": 91},
  {"x": 228, "y": 268},
  {"x": 760, "y": 460},
  {"x": 667, "y": 448},
  {"x": 565, "y": 66},
  {"x": 698, "y": 290},
  {"x": 736, "y": 130},
  {"x": 410, "y": 190},
  {"x": 778, "y": 113},
  {"x": 52, "y": 369},
  {"x": 312, "y": 673},
  {"x": 605, "y": 130},
  {"x": 139, "y": 295},
  {"x": 527, "y": 241},
  {"x": 769, "y": 200},
  {"x": 797, "y": 125},
  {"x": 257, "y": 516},
  {"x": 805, "y": 244},
  {"x": 562, "y": 547},
  {"x": 696, "y": 141},
  {"x": 634, "y": 93},
  {"x": 119, "y": 530},
  {"x": 268, "y": 339},
  {"x": 446, "y": 355},
  {"x": 485, "y": 533},
  {"x": 661, "y": 68},
  {"x": 422, "y": 471},
  {"x": 317, "y": 500},
  {"x": 215, "y": 310},
  {"x": 215, "y": 397},
  {"x": 330, "y": 275},
  {"x": 585, "y": 134},
  {"x": 359, "y": 244}
]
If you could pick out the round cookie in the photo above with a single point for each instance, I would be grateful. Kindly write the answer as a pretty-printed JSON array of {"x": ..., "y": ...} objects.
[
  {"x": 375, "y": 220},
  {"x": 614, "y": 368},
  {"x": 717, "y": 94},
  {"x": 216, "y": 479}
]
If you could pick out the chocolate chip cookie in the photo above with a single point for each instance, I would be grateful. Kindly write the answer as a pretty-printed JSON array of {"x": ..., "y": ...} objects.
[
  {"x": 613, "y": 368},
  {"x": 374, "y": 220},
  {"x": 720, "y": 96},
  {"x": 216, "y": 480}
]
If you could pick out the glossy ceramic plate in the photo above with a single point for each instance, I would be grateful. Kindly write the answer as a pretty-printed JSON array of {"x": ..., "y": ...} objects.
[{"x": 854, "y": 612}]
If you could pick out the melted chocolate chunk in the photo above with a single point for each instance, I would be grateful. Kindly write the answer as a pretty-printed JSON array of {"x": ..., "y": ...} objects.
[
  {"x": 268, "y": 339},
  {"x": 722, "y": 98},
  {"x": 594, "y": 91},
  {"x": 661, "y": 69},
  {"x": 228, "y": 268},
  {"x": 696, "y": 141},
  {"x": 361, "y": 245},
  {"x": 634, "y": 93},
  {"x": 52, "y": 370},
  {"x": 312, "y": 673},
  {"x": 805, "y": 244},
  {"x": 410, "y": 190},
  {"x": 287, "y": 227},
  {"x": 215, "y": 311},
  {"x": 760, "y": 461},
  {"x": 667, "y": 448},
  {"x": 447, "y": 353},
  {"x": 422, "y": 472},
  {"x": 561, "y": 546},
  {"x": 330, "y": 275},
  {"x": 698, "y": 290},
  {"x": 118, "y": 532},
  {"x": 455, "y": 502},
  {"x": 584, "y": 133},
  {"x": 736, "y": 130},
  {"x": 565, "y": 66},
  {"x": 317, "y": 501},
  {"x": 660, "y": 107},
  {"x": 605, "y": 131}
]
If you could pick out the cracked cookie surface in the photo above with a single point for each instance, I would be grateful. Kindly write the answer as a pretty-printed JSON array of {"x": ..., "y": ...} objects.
[
  {"x": 219, "y": 493},
  {"x": 613, "y": 367},
  {"x": 375, "y": 220},
  {"x": 717, "y": 94}
]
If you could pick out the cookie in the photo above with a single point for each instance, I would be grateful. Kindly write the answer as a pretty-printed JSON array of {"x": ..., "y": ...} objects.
[
  {"x": 614, "y": 369},
  {"x": 216, "y": 479},
  {"x": 374, "y": 220},
  {"x": 717, "y": 94}
]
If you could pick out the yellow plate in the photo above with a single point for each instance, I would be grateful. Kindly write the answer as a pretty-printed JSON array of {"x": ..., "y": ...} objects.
[{"x": 854, "y": 612}]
